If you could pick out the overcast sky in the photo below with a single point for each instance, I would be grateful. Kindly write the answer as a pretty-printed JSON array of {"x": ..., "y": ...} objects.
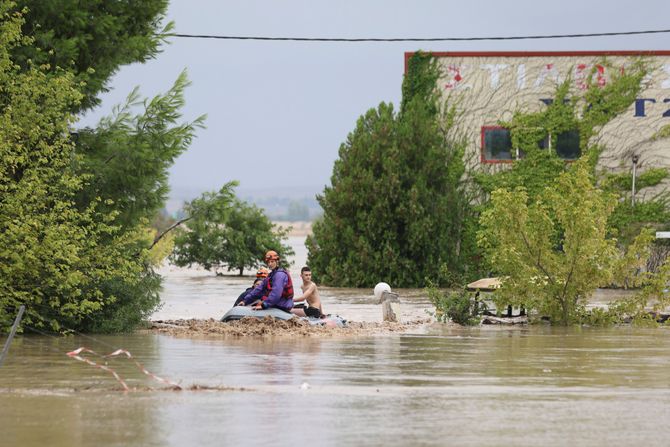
[{"x": 277, "y": 112}]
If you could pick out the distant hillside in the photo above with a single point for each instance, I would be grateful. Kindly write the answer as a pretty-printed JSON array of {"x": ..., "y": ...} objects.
[{"x": 283, "y": 203}]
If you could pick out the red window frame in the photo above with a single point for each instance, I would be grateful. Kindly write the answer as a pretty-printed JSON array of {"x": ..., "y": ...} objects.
[{"x": 483, "y": 158}]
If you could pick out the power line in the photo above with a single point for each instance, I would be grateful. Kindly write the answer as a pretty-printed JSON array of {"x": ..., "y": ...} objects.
[{"x": 418, "y": 39}]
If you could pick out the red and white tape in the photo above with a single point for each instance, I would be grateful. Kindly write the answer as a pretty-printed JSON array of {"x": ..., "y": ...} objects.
[
  {"x": 75, "y": 355},
  {"x": 142, "y": 368}
]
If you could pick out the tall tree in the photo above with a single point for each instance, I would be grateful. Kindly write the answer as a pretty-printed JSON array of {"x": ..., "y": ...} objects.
[
  {"x": 91, "y": 38},
  {"x": 50, "y": 256},
  {"x": 396, "y": 210},
  {"x": 122, "y": 165}
]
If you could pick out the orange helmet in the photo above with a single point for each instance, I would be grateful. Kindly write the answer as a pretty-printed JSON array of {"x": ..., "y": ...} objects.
[
  {"x": 262, "y": 273},
  {"x": 271, "y": 256}
]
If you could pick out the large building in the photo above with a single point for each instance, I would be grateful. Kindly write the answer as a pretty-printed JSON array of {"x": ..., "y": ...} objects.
[{"x": 488, "y": 87}]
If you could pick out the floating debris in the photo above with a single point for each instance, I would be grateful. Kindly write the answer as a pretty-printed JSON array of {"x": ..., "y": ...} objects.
[{"x": 269, "y": 327}]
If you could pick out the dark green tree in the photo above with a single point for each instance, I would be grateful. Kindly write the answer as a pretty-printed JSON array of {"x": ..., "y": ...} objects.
[
  {"x": 248, "y": 235},
  {"x": 50, "y": 249},
  {"x": 126, "y": 159},
  {"x": 223, "y": 231},
  {"x": 92, "y": 39},
  {"x": 396, "y": 210},
  {"x": 122, "y": 164}
]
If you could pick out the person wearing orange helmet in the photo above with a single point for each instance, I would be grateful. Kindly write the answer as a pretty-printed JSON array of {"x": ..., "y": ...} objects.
[
  {"x": 261, "y": 274},
  {"x": 275, "y": 291}
]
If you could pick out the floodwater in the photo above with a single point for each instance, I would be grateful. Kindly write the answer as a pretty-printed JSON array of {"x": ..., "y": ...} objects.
[{"x": 443, "y": 385}]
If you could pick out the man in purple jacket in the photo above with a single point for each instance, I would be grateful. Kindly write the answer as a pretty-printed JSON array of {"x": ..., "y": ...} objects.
[{"x": 275, "y": 291}]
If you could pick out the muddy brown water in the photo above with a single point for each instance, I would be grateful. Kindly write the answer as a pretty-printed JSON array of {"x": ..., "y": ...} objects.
[{"x": 436, "y": 385}]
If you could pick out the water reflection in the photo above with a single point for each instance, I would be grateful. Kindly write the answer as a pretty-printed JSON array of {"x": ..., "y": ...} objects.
[{"x": 472, "y": 386}]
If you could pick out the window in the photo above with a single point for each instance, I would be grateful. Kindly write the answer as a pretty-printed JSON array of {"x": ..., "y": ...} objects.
[
  {"x": 496, "y": 144},
  {"x": 567, "y": 145}
]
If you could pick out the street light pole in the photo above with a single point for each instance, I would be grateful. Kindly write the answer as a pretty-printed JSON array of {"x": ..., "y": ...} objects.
[{"x": 636, "y": 158}]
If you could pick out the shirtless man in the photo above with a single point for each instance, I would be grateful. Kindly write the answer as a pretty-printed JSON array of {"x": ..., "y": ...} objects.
[{"x": 310, "y": 294}]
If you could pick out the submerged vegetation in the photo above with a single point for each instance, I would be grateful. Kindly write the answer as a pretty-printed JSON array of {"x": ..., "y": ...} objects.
[
  {"x": 553, "y": 252},
  {"x": 459, "y": 306}
]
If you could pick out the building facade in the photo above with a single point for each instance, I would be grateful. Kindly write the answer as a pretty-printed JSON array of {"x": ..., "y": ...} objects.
[{"x": 488, "y": 87}]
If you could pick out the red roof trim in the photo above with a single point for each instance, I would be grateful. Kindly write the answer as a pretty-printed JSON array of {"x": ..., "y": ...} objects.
[{"x": 409, "y": 54}]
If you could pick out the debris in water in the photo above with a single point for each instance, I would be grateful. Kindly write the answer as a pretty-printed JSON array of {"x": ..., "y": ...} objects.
[{"x": 269, "y": 326}]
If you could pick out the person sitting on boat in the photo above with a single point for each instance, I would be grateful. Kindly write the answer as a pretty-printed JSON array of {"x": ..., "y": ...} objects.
[
  {"x": 275, "y": 291},
  {"x": 310, "y": 295},
  {"x": 261, "y": 274}
]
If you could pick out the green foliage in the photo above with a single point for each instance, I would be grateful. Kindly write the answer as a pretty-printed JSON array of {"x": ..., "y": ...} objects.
[
  {"x": 627, "y": 219},
  {"x": 396, "y": 210},
  {"x": 554, "y": 245},
  {"x": 457, "y": 306},
  {"x": 126, "y": 161},
  {"x": 652, "y": 298},
  {"x": 623, "y": 182},
  {"x": 132, "y": 301},
  {"x": 664, "y": 132},
  {"x": 553, "y": 252},
  {"x": 598, "y": 316},
  {"x": 586, "y": 114},
  {"x": 84, "y": 199},
  {"x": 50, "y": 256},
  {"x": 569, "y": 111},
  {"x": 91, "y": 38},
  {"x": 128, "y": 156},
  {"x": 600, "y": 104},
  {"x": 222, "y": 230}
]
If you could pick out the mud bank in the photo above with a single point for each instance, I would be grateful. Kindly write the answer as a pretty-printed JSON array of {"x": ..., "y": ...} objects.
[{"x": 270, "y": 327}]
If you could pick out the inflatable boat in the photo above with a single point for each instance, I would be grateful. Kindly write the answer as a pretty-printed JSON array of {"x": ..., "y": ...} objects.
[{"x": 239, "y": 312}]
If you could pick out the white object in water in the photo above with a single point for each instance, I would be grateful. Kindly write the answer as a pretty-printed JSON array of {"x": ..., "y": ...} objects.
[
  {"x": 380, "y": 289},
  {"x": 305, "y": 386}
]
